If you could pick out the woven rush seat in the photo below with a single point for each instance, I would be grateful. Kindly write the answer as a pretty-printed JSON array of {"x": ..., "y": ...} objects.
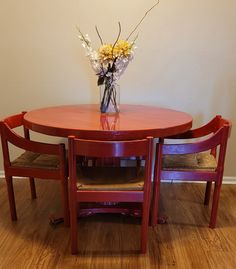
[
  {"x": 110, "y": 178},
  {"x": 36, "y": 160},
  {"x": 198, "y": 161}
]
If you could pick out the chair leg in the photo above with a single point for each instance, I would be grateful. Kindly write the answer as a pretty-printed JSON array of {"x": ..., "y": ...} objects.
[
  {"x": 155, "y": 203},
  {"x": 145, "y": 219},
  {"x": 73, "y": 226},
  {"x": 32, "y": 188},
  {"x": 65, "y": 203},
  {"x": 156, "y": 186},
  {"x": 144, "y": 228},
  {"x": 207, "y": 193},
  {"x": 215, "y": 204},
  {"x": 11, "y": 198}
]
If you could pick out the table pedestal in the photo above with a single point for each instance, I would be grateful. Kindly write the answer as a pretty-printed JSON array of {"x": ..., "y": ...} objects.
[{"x": 90, "y": 209}]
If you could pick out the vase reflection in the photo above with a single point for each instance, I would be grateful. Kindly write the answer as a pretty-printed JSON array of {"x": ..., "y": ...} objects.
[{"x": 109, "y": 122}]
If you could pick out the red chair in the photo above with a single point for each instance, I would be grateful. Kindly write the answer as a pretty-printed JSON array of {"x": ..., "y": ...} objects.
[
  {"x": 41, "y": 160},
  {"x": 109, "y": 184},
  {"x": 200, "y": 159}
]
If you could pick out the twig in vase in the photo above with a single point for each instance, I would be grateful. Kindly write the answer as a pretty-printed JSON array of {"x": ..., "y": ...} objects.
[
  {"x": 99, "y": 35},
  {"x": 116, "y": 39},
  {"x": 135, "y": 28}
]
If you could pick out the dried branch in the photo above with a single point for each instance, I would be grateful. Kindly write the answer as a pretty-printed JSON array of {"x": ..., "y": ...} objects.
[
  {"x": 133, "y": 42},
  {"x": 99, "y": 35},
  {"x": 117, "y": 37},
  {"x": 135, "y": 28}
]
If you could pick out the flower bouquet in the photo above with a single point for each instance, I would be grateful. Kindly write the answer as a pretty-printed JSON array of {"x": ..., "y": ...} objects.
[{"x": 109, "y": 63}]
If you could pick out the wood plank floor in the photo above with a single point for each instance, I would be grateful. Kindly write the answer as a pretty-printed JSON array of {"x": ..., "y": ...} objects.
[{"x": 112, "y": 241}]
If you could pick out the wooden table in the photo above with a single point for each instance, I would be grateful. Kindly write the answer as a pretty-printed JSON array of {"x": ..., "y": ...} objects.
[{"x": 86, "y": 121}]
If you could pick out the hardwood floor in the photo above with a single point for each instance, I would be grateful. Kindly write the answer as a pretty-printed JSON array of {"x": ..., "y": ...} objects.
[{"x": 112, "y": 241}]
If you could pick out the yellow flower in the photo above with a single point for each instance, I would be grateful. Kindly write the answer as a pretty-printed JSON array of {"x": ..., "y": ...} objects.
[
  {"x": 105, "y": 52},
  {"x": 122, "y": 48}
]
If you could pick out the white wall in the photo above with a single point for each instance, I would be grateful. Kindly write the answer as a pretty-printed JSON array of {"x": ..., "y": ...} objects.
[{"x": 186, "y": 55}]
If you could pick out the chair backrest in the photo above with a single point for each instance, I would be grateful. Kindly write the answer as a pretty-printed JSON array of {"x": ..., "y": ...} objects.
[
  {"x": 8, "y": 135},
  {"x": 211, "y": 127},
  {"x": 219, "y": 129},
  {"x": 109, "y": 149}
]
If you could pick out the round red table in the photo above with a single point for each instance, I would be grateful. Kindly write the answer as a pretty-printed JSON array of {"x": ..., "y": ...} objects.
[{"x": 86, "y": 121}]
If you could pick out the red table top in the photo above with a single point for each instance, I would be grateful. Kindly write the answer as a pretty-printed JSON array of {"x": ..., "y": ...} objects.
[{"x": 86, "y": 121}]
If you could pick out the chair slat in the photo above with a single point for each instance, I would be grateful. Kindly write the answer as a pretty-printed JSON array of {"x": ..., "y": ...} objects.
[{"x": 95, "y": 148}]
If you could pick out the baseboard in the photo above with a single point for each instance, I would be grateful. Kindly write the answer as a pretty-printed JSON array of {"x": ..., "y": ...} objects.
[
  {"x": 227, "y": 180},
  {"x": 2, "y": 175}
]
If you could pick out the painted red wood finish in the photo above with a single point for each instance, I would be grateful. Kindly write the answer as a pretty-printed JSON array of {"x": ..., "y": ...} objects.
[{"x": 86, "y": 121}]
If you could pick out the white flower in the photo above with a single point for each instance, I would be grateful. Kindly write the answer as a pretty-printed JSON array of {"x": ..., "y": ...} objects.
[{"x": 87, "y": 39}]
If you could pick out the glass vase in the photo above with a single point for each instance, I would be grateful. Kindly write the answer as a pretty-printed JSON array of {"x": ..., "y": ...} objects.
[{"x": 110, "y": 98}]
